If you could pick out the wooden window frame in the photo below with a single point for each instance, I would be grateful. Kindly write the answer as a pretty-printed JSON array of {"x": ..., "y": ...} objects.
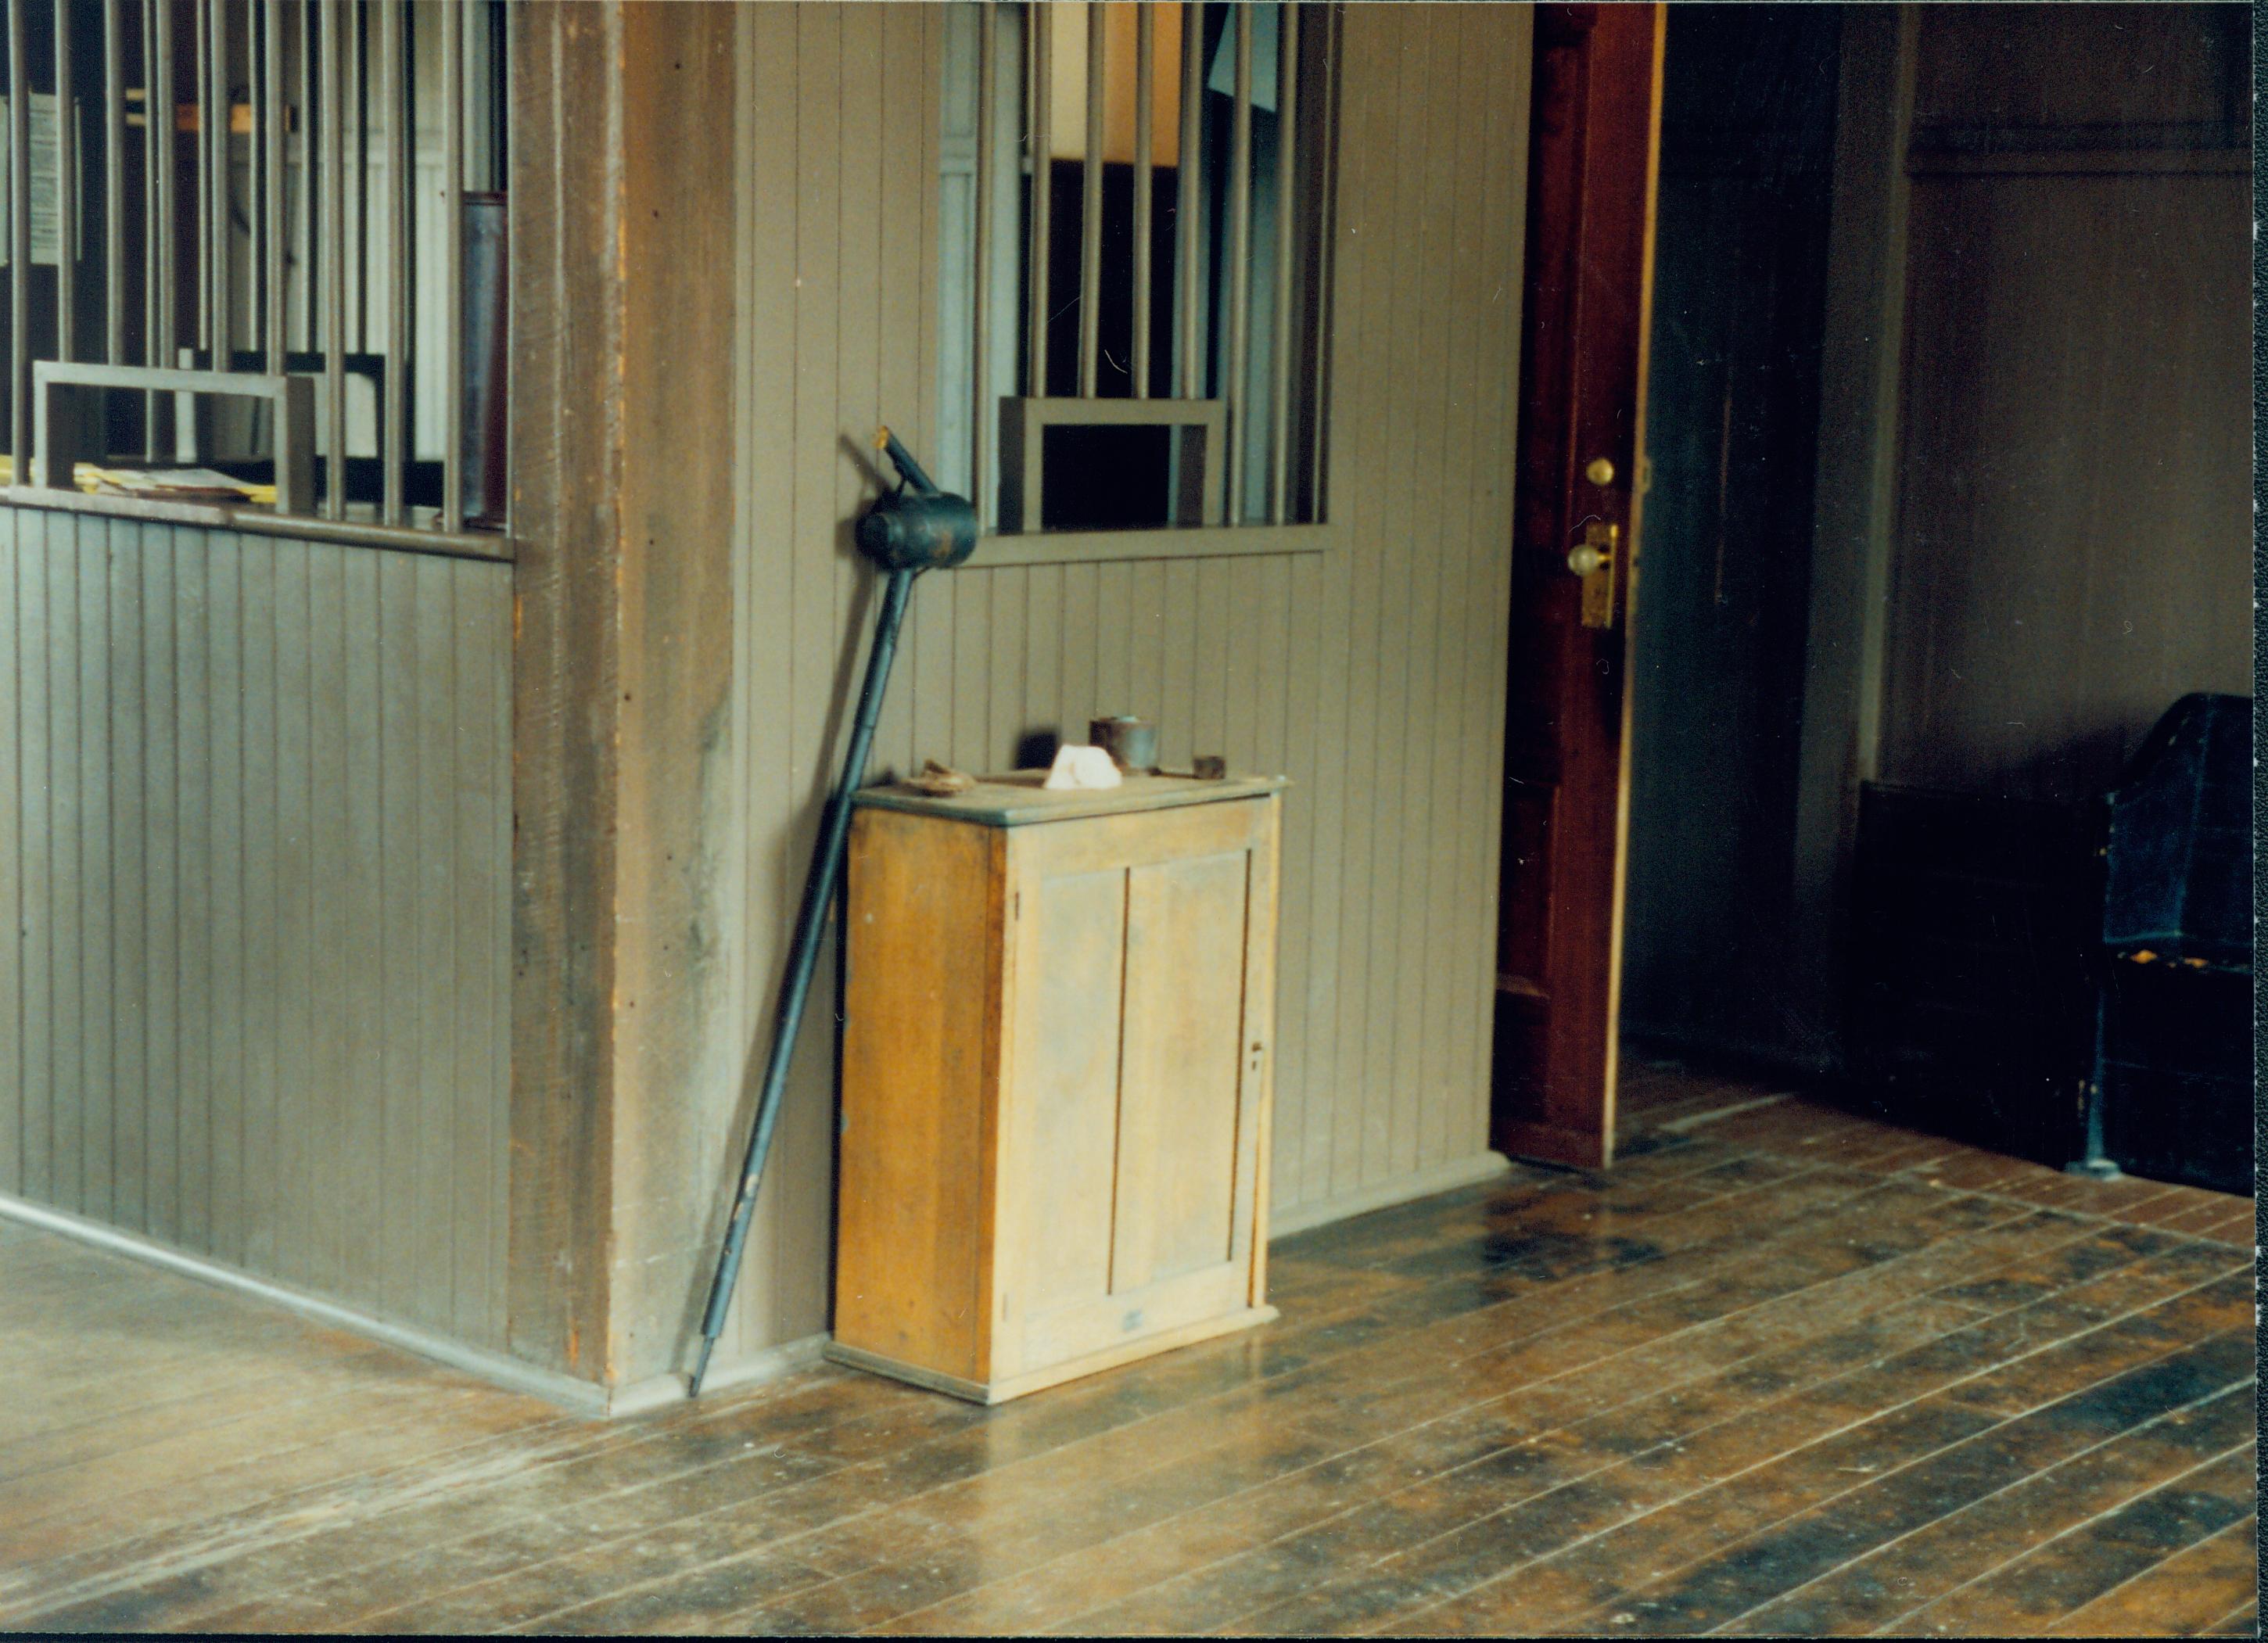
[{"x": 1294, "y": 460}]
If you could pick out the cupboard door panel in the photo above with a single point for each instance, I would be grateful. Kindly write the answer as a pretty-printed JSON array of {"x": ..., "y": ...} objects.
[
  {"x": 1066, "y": 1072},
  {"x": 1178, "y": 1087},
  {"x": 922, "y": 989}
]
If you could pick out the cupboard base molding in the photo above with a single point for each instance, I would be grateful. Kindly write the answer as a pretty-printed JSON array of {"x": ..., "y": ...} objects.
[{"x": 1054, "y": 1375}]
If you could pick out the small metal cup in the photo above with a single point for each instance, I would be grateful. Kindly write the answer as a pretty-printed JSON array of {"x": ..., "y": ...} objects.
[{"x": 1132, "y": 743}]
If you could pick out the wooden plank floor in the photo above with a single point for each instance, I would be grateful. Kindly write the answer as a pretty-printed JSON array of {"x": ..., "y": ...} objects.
[{"x": 1782, "y": 1371}]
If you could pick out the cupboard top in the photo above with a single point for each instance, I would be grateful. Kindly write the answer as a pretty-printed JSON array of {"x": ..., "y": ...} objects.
[{"x": 1018, "y": 799}]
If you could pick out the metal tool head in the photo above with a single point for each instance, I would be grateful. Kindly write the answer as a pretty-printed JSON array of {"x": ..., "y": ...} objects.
[{"x": 917, "y": 526}]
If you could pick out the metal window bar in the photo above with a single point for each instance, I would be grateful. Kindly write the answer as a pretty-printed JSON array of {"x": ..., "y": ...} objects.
[
  {"x": 1272, "y": 415},
  {"x": 1187, "y": 211},
  {"x": 1279, "y": 354},
  {"x": 255, "y": 306},
  {"x": 335, "y": 269},
  {"x": 1145, "y": 74},
  {"x": 213, "y": 186},
  {"x": 309, "y": 113},
  {"x": 157, "y": 133},
  {"x": 274, "y": 139},
  {"x": 20, "y": 246},
  {"x": 979, "y": 430},
  {"x": 394, "y": 438},
  {"x": 357, "y": 100},
  {"x": 1090, "y": 207},
  {"x": 452, "y": 285},
  {"x": 113, "y": 181},
  {"x": 281, "y": 115},
  {"x": 66, "y": 188},
  {"x": 1040, "y": 30},
  {"x": 1324, "y": 123},
  {"x": 1239, "y": 263}
]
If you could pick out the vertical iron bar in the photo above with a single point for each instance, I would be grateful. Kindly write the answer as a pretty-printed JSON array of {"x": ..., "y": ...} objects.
[
  {"x": 397, "y": 264},
  {"x": 333, "y": 194},
  {"x": 1040, "y": 124},
  {"x": 980, "y": 431},
  {"x": 202, "y": 69},
  {"x": 258, "y": 23},
  {"x": 452, "y": 241},
  {"x": 216, "y": 175},
  {"x": 1145, "y": 47},
  {"x": 1239, "y": 265},
  {"x": 1090, "y": 207},
  {"x": 66, "y": 192},
  {"x": 272, "y": 142},
  {"x": 1279, "y": 396},
  {"x": 19, "y": 250},
  {"x": 308, "y": 192},
  {"x": 357, "y": 67},
  {"x": 114, "y": 183},
  {"x": 1326, "y": 111},
  {"x": 159, "y": 130},
  {"x": 1188, "y": 204}
]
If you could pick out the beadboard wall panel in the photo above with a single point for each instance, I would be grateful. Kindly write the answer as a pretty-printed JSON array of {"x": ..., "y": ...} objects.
[
  {"x": 1372, "y": 674},
  {"x": 254, "y": 842}
]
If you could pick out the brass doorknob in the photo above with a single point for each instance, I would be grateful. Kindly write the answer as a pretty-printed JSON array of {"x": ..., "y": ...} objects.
[
  {"x": 1584, "y": 559},
  {"x": 1600, "y": 471}
]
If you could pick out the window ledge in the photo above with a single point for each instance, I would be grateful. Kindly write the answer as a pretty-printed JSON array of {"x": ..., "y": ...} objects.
[
  {"x": 489, "y": 545},
  {"x": 1188, "y": 541}
]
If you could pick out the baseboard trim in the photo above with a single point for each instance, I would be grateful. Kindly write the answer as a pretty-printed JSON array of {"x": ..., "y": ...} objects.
[
  {"x": 1464, "y": 1172},
  {"x": 769, "y": 1363},
  {"x": 580, "y": 1397}
]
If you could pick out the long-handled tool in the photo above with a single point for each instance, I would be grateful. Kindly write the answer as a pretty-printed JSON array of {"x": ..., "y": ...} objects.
[{"x": 915, "y": 528}]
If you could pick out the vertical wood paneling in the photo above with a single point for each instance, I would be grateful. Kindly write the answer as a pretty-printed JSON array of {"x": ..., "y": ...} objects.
[
  {"x": 224, "y": 789},
  {"x": 2072, "y": 549},
  {"x": 195, "y": 1108},
  {"x": 66, "y": 907},
  {"x": 130, "y": 1105},
  {"x": 366, "y": 1106},
  {"x": 764, "y": 616},
  {"x": 156, "y": 548},
  {"x": 262, "y": 985},
  {"x": 251, "y": 833},
  {"x": 1375, "y": 126},
  {"x": 95, "y": 1005},
  {"x": 35, "y": 896},
  {"x": 298, "y": 1048},
  {"x": 1373, "y": 675},
  {"x": 13, "y": 1112},
  {"x": 1442, "y": 239},
  {"x": 430, "y": 980},
  {"x": 408, "y": 1204},
  {"x": 818, "y": 652}
]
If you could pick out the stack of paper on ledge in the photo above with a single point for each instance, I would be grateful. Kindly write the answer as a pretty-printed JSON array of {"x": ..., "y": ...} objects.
[
  {"x": 167, "y": 484},
  {"x": 172, "y": 485}
]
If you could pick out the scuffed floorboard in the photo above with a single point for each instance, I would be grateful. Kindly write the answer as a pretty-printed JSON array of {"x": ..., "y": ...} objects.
[{"x": 1783, "y": 1371}]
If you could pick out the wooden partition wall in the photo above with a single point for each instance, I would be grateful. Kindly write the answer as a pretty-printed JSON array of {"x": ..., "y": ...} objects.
[
  {"x": 1371, "y": 672},
  {"x": 255, "y": 828},
  {"x": 705, "y": 336}
]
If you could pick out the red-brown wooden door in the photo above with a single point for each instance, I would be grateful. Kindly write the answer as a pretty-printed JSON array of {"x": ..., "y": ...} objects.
[{"x": 1597, "y": 117}]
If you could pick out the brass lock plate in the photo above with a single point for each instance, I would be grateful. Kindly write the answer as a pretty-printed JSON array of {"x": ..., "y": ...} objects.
[{"x": 1601, "y": 548}]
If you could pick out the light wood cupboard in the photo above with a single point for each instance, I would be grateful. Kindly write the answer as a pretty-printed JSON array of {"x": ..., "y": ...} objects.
[{"x": 1056, "y": 1063}]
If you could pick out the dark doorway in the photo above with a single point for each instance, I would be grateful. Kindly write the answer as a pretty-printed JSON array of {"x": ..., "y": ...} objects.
[{"x": 1749, "y": 99}]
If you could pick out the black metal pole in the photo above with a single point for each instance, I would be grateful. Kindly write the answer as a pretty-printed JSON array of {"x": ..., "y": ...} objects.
[{"x": 795, "y": 986}]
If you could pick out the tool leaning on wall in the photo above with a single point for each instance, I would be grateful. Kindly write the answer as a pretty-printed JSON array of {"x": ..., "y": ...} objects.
[{"x": 914, "y": 528}]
